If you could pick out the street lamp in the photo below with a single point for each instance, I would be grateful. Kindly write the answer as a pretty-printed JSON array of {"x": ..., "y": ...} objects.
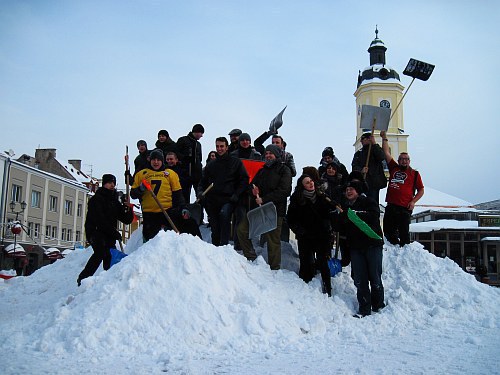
[{"x": 16, "y": 227}]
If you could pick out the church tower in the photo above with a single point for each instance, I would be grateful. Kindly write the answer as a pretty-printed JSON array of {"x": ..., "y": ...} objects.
[{"x": 379, "y": 85}]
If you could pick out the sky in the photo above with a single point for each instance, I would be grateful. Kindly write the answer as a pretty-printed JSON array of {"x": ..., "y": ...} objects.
[
  {"x": 180, "y": 305},
  {"x": 90, "y": 77}
]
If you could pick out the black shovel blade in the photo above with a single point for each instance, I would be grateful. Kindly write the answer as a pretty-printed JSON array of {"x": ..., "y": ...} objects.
[
  {"x": 418, "y": 69},
  {"x": 196, "y": 212}
]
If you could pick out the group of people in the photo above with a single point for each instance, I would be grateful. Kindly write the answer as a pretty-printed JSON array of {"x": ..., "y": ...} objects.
[{"x": 238, "y": 177}]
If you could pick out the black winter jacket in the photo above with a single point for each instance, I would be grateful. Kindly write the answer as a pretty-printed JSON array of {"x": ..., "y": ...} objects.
[
  {"x": 275, "y": 185},
  {"x": 309, "y": 220},
  {"x": 190, "y": 155},
  {"x": 375, "y": 177},
  {"x": 367, "y": 210},
  {"x": 229, "y": 177},
  {"x": 104, "y": 209}
]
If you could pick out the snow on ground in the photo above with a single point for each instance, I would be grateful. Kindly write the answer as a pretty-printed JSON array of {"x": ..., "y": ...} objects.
[{"x": 180, "y": 305}]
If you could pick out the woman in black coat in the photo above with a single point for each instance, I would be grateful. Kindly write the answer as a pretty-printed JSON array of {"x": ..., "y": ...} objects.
[{"x": 309, "y": 218}]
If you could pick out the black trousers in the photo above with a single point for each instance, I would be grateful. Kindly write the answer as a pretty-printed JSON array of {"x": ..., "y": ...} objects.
[
  {"x": 153, "y": 222},
  {"x": 397, "y": 224},
  {"x": 314, "y": 252},
  {"x": 101, "y": 247}
]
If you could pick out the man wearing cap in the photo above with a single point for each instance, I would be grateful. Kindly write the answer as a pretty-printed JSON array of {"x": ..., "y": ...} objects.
[
  {"x": 104, "y": 209},
  {"x": 247, "y": 152},
  {"x": 190, "y": 156},
  {"x": 404, "y": 190},
  {"x": 167, "y": 188},
  {"x": 245, "y": 149},
  {"x": 365, "y": 245},
  {"x": 374, "y": 171},
  {"x": 273, "y": 183},
  {"x": 233, "y": 139}
]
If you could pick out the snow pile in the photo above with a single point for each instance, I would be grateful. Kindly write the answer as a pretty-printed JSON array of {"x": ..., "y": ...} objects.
[{"x": 180, "y": 304}]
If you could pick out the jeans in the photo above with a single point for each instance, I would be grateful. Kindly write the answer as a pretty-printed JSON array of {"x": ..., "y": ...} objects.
[{"x": 367, "y": 272}]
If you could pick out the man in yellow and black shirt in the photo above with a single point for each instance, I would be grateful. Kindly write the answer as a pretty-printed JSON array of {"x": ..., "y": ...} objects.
[{"x": 167, "y": 188}]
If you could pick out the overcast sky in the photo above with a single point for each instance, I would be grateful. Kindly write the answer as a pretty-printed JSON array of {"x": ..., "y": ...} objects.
[{"x": 89, "y": 77}]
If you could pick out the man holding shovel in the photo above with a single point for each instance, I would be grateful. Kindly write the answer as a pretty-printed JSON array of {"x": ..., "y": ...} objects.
[
  {"x": 368, "y": 160},
  {"x": 273, "y": 183},
  {"x": 167, "y": 201}
]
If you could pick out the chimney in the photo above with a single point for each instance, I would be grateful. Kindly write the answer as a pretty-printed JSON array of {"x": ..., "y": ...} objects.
[{"x": 76, "y": 163}]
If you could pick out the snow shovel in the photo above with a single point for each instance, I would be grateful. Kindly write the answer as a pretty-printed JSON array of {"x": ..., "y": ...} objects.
[
  {"x": 195, "y": 208},
  {"x": 117, "y": 255},
  {"x": 262, "y": 219}
]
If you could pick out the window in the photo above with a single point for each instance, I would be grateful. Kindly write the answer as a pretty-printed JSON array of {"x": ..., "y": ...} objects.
[
  {"x": 35, "y": 198},
  {"x": 54, "y": 233},
  {"x": 69, "y": 237},
  {"x": 48, "y": 231},
  {"x": 63, "y": 234},
  {"x": 79, "y": 210},
  {"x": 68, "y": 207},
  {"x": 17, "y": 193},
  {"x": 30, "y": 228},
  {"x": 36, "y": 233},
  {"x": 53, "y": 203},
  {"x": 78, "y": 235}
]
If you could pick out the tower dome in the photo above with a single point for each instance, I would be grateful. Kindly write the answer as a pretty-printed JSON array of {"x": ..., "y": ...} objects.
[{"x": 377, "y": 68}]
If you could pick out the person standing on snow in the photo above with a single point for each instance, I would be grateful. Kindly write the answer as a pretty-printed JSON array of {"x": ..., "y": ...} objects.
[
  {"x": 167, "y": 188},
  {"x": 309, "y": 218},
  {"x": 230, "y": 180},
  {"x": 272, "y": 183},
  {"x": 365, "y": 244},
  {"x": 373, "y": 173},
  {"x": 404, "y": 190},
  {"x": 104, "y": 209},
  {"x": 190, "y": 156}
]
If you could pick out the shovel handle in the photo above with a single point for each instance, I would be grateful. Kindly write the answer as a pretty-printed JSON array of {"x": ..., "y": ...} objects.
[
  {"x": 167, "y": 216},
  {"x": 257, "y": 195},
  {"x": 204, "y": 192}
]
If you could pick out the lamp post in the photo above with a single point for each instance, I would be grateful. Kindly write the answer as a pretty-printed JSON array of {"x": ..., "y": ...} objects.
[{"x": 16, "y": 228}]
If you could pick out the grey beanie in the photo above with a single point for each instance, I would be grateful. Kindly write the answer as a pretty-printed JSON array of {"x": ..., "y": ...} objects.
[{"x": 275, "y": 150}]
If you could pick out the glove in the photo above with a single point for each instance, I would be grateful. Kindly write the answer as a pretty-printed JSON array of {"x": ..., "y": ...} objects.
[
  {"x": 234, "y": 198},
  {"x": 185, "y": 213},
  {"x": 126, "y": 208},
  {"x": 128, "y": 178},
  {"x": 117, "y": 236}
]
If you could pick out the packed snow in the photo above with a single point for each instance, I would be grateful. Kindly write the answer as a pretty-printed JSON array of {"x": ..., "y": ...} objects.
[{"x": 179, "y": 305}]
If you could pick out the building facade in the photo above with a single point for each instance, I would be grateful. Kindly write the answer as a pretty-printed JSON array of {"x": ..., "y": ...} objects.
[{"x": 53, "y": 216}]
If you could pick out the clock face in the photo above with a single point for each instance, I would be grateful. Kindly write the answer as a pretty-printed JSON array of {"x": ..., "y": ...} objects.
[{"x": 385, "y": 104}]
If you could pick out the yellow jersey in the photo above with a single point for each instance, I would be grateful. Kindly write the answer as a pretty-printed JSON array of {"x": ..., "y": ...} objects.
[{"x": 162, "y": 182}]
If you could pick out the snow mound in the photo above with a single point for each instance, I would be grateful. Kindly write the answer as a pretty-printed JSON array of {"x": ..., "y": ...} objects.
[{"x": 177, "y": 294}]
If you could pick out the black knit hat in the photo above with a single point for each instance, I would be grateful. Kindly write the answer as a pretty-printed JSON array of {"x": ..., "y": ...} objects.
[
  {"x": 328, "y": 151},
  {"x": 163, "y": 132},
  {"x": 141, "y": 142},
  {"x": 157, "y": 154},
  {"x": 108, "y": 178},
  {"x": 356, "y": 185},
  {"x": 198, "y": 128}
]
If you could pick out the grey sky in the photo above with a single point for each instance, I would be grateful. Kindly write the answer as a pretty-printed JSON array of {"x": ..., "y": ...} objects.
[{"x": 89, "y": 77}]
